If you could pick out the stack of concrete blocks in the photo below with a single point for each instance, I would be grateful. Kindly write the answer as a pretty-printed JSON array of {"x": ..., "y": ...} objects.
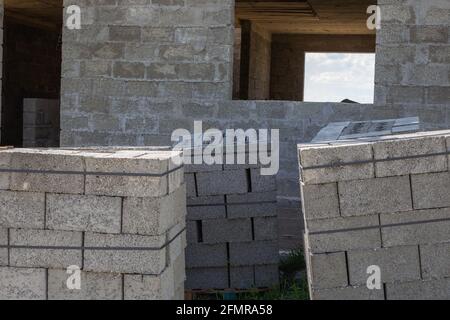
[
  {"x": 40, "y": 123},
  {"x": 232, "y": 227},
  {"x": 118, "y": 215},
  {"x": 382, "y": 202}
]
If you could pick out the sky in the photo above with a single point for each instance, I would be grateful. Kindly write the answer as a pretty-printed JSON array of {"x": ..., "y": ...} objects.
[{"x": 333, "y": 77}]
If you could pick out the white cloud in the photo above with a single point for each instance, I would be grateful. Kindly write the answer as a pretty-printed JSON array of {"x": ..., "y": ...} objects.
[{"x": 333, "y": 77}]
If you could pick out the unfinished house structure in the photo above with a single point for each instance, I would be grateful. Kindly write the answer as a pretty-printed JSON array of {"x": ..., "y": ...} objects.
[{"x": 137, "y": 70}]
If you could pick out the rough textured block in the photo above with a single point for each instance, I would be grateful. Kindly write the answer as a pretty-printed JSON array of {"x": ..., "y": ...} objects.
[
  {"x": 37, "y": 248},
  {"x": 84, "y": 213},
  {"x": 190, "y": 185},
  {"x": 328, "y": 270},
  {"x": 222, "y": 182},
  {"x": 340, "y": 238},
  {"x": 192, "y": 231},
  {"x": 206, "y": 255},
  {"x": 5, "y": 163},
  {"x": 312, "y": 156},
  {"x": 153, "y": 216},
  {"x": 396, "y": 264},
  {"x": 416, "y": 230},
  {"x": 22, "y": 284},
  {"x": 22, "y": 209},
  {"x": 265, "y": 228},
  {"x": 150, "y": 287},
  {"x": 431, "y": 190},
  {"x": 254, "y": 253},
  {"x": 419, "y": 290},
  {"x": 209, "y": 207},
  {"x": 47, "y": 160},
  {"x": 260, "y": 183},
  {"x": 94, "y": 286},
  {"x": 3, "y": 242},
  {"x": 207, "y": 278},
  {"x": 252, "y": 205},
  {"x": 267, "y": 276},
  {"x": 382, "y": 195},
  {"x": 242, "y": 277},
  {"x": 348, "y": 293},
  {"x": 227, "y": 230},
  {"x": 435, "y": 260},
  {"x": 320, "y": 201},
  {"x": 124, "y": 254},
  {"x": 407, "y": 148}
]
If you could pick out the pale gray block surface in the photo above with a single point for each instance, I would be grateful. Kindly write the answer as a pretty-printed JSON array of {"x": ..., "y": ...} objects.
[
  {"x": 150, "y": 287},
  {"x": 328, "y": 270},
  {"x": 3, "y": 242},
  {"x": 431, "y": 190},
  {"x": 22, "y": 209},
  {"x": 382, "y": 195},
  {"x": 348, "y": 293},
  {"x": 45, "y": 257},
  {"x": 396, "y": 264},
  {"x": 5, "y": 163},
  {"x": 435, "y": 260},
  {"x": 84, "y": 213},
  {"x": 227, "y": 230},
  {"x": 94, "y": 286},
  {"x": 407, "y": 148},
  {"x": 414, "y": 232},
  {"x": 222, "y": 182},
  {"x": 153, "y": 216},
  {"x": 419, "y": 290},
  {"x": 124, "y": 261},
  {"x": 22, "y": 284},
  {"x": 320, "y": 201}
]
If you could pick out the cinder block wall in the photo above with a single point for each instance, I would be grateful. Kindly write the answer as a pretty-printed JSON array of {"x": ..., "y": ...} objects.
[
  {"x": 131, "y": 59},
  {"x": 1, "y": 62},
  {"x": 117, "y": 215},
  {"x": 383, "y": 203},
  {"x": 413, "y": 54}
]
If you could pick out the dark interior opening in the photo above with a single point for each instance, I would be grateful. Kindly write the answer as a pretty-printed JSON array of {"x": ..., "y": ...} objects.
[{"x": 31, "y": 73}]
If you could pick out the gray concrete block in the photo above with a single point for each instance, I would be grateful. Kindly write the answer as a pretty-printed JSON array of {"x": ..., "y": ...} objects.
[
  {"x": 414, "y": 232},
  {"x": 254, "y": 253},
  {"x": 396, "y": 264},
  {"x": 242, "y": 277},
  {"x": 435, "y": 260},
  {"x": 406, "y": 148},
  {"x": 267, "y": 276},
  {"x": 84, "y": 213},
  {"x": 3, "y": 242},
  {"x": 252, "y": 205},
  {"x": 124, "y": 254},
  {"x": 153, "y": 216},
  {"x": 207, "y": 278},
  {"x": 222, "y": 182},
  {"x": 260, "y": 183},
  {"x": 227, "y": 230},
  {"x": 22, "y": 209},
  {"x": 265, "y": 228},
  {"x": 328, "y": 270},
  {"x": 320, "y": 201},
  {"x": 431, "y": 190},
  {"x": 345, "y": 240},
  {"x": 47, "y": 160},
  {"x": 419, "y": 290},
  {"x": 348, "y": 293},
  {"x": 190, "y": 185},
  {"x": 208, "y": 207},
  {"x": 22, "y": 284},
  {"x": 150, "y": 287},
  {"x": 324, "y": 155},
  {"x": 192, "y": 232},
  {"x": 381, "y": 195},
  {"x": 35, "y": 248},
  {"x": 94, "y": 286},
  {"x": 202, "y": 255},
  {"x": 5, "y": 163}
]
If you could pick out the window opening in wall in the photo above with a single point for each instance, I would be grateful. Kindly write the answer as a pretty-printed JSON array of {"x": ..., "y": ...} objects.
[
  {"x": 339, "y": 77},
  {"x": 31, "y": 73}
]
